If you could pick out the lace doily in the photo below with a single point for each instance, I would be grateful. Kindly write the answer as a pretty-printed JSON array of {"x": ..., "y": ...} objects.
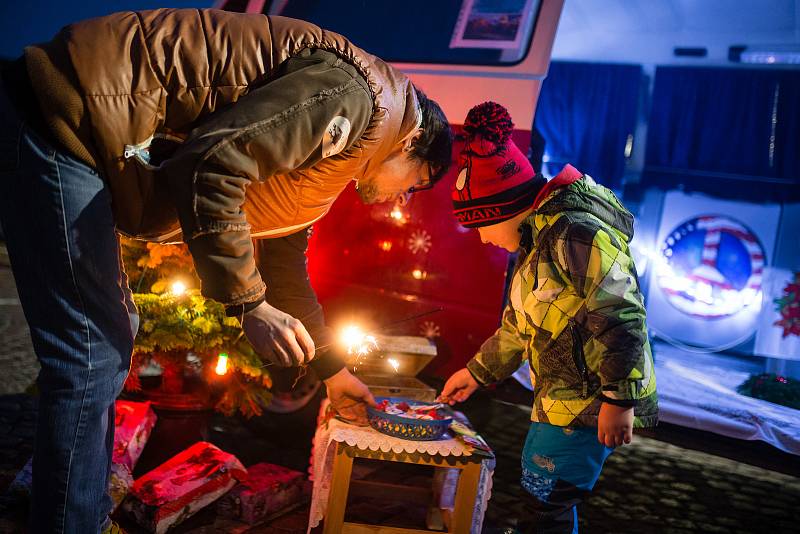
[{"x": 366, "y": 438}]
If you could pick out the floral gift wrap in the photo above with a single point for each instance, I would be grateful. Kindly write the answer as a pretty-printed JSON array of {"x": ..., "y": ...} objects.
[
  {"x": 268, "y": 490},
  {"x": 183, "y": 485},
  {"x": 134, "y": 423}
]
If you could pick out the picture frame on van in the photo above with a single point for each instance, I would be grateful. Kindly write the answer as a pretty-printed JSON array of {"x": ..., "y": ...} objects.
[{"x": 504, "y": 24}]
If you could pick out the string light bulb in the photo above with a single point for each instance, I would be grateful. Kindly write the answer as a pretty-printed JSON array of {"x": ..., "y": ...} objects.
[
  {"x": 178, "y": 288},
  {"x": 419, "y": 274},
  {"x": 222, "y": 364}
]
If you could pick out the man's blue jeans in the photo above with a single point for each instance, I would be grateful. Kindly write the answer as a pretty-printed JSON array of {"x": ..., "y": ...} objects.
[{"x": 56, "y": 215}]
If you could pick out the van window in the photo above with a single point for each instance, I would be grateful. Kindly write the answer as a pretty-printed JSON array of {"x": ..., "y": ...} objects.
[{"x": 473, "y": 32}]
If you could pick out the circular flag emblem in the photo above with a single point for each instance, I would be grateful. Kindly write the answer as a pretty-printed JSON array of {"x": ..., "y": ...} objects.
[{"x": 711, "y": 267}]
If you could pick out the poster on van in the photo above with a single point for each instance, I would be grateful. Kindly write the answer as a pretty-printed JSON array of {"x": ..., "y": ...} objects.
[
  {"x": 504, "y": 24},
  {"x": 778, "y": 333}
]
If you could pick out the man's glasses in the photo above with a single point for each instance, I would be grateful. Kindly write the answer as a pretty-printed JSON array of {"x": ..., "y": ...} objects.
[
  {"x": 421, "y": 187},
  {"x": 424, "y": 186}
]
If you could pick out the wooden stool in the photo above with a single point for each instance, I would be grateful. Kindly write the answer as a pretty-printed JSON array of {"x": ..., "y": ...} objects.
[{"x": 466, "y": 492}]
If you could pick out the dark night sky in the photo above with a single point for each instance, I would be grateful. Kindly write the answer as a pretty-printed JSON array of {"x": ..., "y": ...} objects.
[{"x": 28, "y": 21}]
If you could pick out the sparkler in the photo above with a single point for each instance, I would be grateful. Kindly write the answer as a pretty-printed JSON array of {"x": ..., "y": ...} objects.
[
  {"x": 359, "y": 343},
  {"x": 395, "y": 364}
]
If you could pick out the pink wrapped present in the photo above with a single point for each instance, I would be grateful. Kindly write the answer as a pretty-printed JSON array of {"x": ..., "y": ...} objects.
[
  {"x": 268, "y": 490},
  {"x": 182, "y": 485},
  {"x": 134, "y": 423}
]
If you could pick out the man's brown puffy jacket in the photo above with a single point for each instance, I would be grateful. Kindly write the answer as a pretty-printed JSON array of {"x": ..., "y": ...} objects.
[{"x": 224, "y": 126}]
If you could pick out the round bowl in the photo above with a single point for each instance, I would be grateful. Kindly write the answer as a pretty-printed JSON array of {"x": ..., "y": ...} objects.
[{"x": 405, "y": 427}]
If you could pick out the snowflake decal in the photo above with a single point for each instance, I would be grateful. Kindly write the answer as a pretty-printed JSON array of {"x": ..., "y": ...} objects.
[
  {"x": 420, "y": 241},
  {"x": 430, "y": 329}
]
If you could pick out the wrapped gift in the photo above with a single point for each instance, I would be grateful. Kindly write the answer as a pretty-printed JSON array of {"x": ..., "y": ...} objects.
[
  {"x": 134, "y": 423},
  {"x": 181, "y": 486},
  {"x": 268, "y": 490}
]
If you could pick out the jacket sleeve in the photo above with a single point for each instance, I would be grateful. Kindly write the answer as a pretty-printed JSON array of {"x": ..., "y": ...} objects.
[
  {"x": 282, "y": 264},
  {"x": 276, "y": 128},
  {"x": 604, "y": 275},
  {"x": 501, "y": 354}
]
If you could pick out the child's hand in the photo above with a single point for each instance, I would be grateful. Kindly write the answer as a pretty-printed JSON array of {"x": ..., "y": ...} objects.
[
  {"x": 458, "y": 387},
  {"x": 614, "y": 425}
]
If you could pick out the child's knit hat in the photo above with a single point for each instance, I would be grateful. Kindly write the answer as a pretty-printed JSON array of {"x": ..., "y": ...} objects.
[{"x": 495, "y": 180}]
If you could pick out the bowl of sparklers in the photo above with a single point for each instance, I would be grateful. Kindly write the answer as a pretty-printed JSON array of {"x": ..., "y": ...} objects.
[{"x": 409, "y": 419}]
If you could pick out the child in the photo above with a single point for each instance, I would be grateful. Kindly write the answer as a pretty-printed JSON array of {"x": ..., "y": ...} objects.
[{"x": 575, "y": 312}]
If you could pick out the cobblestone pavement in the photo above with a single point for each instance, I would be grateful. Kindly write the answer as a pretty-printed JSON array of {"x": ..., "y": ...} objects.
[
  {"x": 17, "y": 360},
  {"x": 649, "y": 486}
]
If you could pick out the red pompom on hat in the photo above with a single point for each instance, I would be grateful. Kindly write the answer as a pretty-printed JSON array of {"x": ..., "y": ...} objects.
[{"x": 495, "y": 180}]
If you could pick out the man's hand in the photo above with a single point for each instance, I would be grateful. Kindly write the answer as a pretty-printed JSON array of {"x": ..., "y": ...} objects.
[
  {"x": 277, "y": 337},
  {"x": 458, "y": 387},
  {"x": 614, "y": 425},
  {"x": 349, "y": 397}
]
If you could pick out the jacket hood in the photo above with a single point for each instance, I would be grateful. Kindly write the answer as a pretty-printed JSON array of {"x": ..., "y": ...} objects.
[{"x": 585, "y": 195}]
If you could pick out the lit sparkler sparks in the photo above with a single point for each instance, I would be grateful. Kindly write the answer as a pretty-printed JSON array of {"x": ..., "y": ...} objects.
[
  {"x": 358, "y": 343},
  {"x": 394, "y": 363}
]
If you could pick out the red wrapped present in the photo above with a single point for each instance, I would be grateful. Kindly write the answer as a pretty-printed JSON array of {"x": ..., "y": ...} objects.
[
  {"x": 182, "y": 485},
  {"x": 268, "y": 490},
  {"x": 134, "y": 423}
]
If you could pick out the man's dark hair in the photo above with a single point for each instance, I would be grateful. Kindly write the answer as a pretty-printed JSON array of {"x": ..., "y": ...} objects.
[{"x": 435, "y": 145}]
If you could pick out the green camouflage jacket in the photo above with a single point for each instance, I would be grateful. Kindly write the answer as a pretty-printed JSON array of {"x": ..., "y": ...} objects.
[{"x": 575, "y": 312}]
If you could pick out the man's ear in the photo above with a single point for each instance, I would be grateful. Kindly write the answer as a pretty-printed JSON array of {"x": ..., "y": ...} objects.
[{"x": 411, "y": 138}]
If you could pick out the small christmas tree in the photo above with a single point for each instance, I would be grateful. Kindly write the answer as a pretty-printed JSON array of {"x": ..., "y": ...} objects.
[{"x": 185, "y": 333}]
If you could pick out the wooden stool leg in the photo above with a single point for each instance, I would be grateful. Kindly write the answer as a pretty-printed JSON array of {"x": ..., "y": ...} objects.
[
  {"x": 466, "y": 494},
  {"x": 340, "y": 484}
]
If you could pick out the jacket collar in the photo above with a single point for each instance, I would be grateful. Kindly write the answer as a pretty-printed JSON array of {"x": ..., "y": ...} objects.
[{"x": 567, "y": 176}]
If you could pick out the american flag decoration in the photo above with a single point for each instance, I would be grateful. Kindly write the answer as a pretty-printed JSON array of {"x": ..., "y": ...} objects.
[{"x": 711, "y": 267}]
